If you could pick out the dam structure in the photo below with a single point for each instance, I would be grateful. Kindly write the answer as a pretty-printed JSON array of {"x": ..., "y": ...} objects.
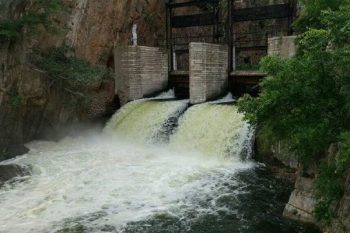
[{"x": 212, "y": 47}]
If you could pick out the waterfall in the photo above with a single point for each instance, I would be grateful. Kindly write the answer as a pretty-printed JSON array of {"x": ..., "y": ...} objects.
[
  {"x": 213, "y": 129},
  {"x": 144, "y": 121}
]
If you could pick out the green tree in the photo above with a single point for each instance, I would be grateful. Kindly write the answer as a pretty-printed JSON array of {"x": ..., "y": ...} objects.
[
  {"x": 312, "y": 11},
  {"x": 306, "y": 100}
]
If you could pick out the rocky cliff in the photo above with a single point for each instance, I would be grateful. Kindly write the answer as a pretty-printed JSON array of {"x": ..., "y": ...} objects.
[
  {"x": 302, "y": 202},
  {"x": 34, "y": 106}
]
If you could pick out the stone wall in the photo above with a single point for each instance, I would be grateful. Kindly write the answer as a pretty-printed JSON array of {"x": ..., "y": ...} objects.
[
  {"x": 140, "y": 71},
  {"x": 282, "y": 46},
  {"x": 208, "y": 71}
]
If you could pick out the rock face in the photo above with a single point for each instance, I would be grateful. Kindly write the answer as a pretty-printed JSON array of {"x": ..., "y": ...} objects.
[
  {"x": 301, "y": 204},
  {"x": 95, "y": 27},
  {"x": 32, "y": 106}
]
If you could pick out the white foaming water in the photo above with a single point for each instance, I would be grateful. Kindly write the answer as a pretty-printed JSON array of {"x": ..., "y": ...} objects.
[
  {"x": 170, "y": 94},
  {"x": 141, "y": 121},
  {"x": 217, "y": 130},
  {"x": 226, "y": 99},
  {"x": 105, "y": 181}
]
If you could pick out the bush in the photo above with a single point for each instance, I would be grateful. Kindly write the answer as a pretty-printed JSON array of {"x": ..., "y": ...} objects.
[{"x": 61, "y": 64}]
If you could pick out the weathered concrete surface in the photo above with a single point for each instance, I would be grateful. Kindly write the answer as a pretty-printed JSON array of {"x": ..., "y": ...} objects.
[
  {"x": 208, "y": 71},
  {"x": 282, "y": 46},
  {"x": 301, "y": 204},
  {"x": 140, "y": 71}
]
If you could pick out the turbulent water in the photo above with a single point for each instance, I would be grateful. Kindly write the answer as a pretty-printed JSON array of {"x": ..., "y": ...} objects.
[
  {"x": 156, "y": 167},
  {"x": 145, "y": 121},
  {"x": 216, "y": 130}
]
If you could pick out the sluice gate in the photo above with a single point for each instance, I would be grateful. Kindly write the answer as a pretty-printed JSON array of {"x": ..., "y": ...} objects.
[{"x": 213, "y": 46}]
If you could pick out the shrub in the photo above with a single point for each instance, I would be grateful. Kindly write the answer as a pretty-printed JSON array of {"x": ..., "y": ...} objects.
[{"x": 61, "y": 64}]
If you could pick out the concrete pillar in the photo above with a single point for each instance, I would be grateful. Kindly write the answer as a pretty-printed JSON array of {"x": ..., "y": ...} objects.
[
  {"x": 139, "y": 71},
  {"x": 208, "y": 71}
]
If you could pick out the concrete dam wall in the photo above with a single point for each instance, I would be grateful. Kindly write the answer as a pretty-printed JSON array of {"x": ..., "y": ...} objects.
[
  {"x": 143, "y": 71},
  {"x": 140, "y": 71},
  {"x": 208, "y": 71}
]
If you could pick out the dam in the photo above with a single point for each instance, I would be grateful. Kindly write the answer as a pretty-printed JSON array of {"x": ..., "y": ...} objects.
[
  {"x": 212, "y": 47},
  {"x": 159, "y": 165}
]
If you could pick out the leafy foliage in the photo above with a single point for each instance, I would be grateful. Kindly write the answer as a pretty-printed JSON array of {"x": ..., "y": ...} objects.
[
  {"x": 343, "y": 158},
  {"x": 61, "y": 64},
  {"x": 312, "y": 11},
  {"x": 306, "y": 99},
  {"x": 328, "y": 190},
  {"x": 9, "y": 29},
  {"x": 301, "y": 103},
  {"x": 37, "y": 14}
]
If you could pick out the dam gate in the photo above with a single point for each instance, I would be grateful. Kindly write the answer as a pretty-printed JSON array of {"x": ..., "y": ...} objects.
[
  {"x": 212, "y": 46},
  {"x": 244, "y": 27}
]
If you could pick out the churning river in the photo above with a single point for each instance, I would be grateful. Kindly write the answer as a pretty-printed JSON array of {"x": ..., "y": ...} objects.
[{"x": 158, "y": 166}]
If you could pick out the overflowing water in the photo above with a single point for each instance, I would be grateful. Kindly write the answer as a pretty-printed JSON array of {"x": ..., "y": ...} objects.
[
  {"x": 215, "y": 130},
  {"x": 143, "y": 121},
  {"x": 156, "y": 167}
]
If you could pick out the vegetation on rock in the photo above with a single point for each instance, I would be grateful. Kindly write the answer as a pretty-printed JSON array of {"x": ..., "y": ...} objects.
[
  {"x": 37, "y": 14},
  {"x": 60, "y": 64},
  {"x": 306, "y": 99}
]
